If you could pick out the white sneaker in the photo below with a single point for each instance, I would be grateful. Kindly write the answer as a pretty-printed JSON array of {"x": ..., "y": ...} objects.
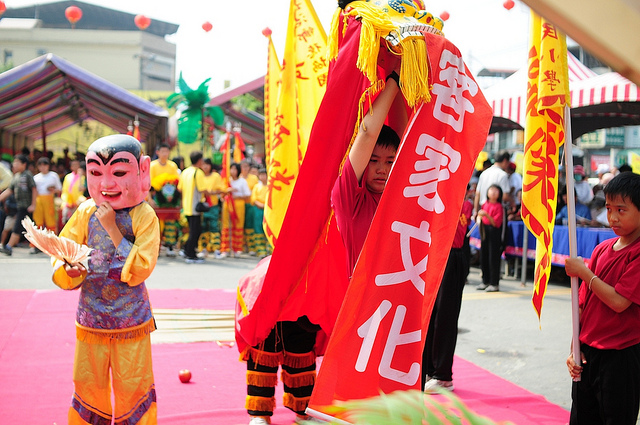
[
  {"x": 171, "y": 252},
  {"x": 434, "y": 386},
  {"x": 221, "y": 255},
  {"x": 202, "y": 254},
  {"x": 259, "y": 420},
  {"x": 492, "y": 288}
]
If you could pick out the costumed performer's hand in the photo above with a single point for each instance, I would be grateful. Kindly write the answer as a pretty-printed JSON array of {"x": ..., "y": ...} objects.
[
  {"x": 106, "y": 215},
  {"x": 74, "y": 270},
  {"x": 575, "y": 370}
]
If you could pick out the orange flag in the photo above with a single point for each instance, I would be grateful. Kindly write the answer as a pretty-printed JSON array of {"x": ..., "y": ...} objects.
[{"x": 547, "y": 96}]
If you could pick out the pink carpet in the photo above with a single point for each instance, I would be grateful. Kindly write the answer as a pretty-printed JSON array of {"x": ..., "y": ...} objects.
[{"x": 37, "y": 338}]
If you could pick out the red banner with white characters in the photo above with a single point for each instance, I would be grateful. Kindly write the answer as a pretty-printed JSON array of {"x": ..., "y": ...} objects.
[{"x": 379, "y": 334}]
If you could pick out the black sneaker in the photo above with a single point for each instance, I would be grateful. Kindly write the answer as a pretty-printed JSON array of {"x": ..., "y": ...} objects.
[
  {"x": 34, "y": 251},
  {"x": 6, "y": 250}
]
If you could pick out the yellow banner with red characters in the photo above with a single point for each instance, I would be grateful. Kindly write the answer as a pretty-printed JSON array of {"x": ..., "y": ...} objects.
[
  {"x": 272, "y": 83},
  {"x": 303, "y": 81},
  {"x": 547, "y": 96}
]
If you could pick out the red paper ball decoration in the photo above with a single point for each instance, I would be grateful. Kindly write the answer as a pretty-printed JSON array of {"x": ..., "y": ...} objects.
[
  {"x": 444, "y": 16},
  {"x": 142, "y": 22},
  {"x": 73, "y": 14},
  {"x": 509, "y": 4},
  {"x": 3, "y": 7},
  {"x": 266, "y": 32},
  {"x": 207, "y": 26}
]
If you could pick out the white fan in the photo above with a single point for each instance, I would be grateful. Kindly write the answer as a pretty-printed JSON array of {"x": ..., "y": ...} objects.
[{"x": 61, "y": 248}]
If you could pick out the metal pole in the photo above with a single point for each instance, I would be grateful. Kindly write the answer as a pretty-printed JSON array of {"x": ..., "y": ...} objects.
[{"x": 573, "y": 244}]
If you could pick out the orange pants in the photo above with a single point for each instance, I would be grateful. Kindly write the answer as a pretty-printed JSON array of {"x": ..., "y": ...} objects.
[
  {"x": 128, "y": 365},
  {"x": 237, "y": 231},
  {"x": 45, "y": 212}
]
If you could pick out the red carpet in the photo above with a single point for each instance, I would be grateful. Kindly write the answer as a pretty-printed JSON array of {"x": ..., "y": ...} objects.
[{"x": 37, "y": 338}]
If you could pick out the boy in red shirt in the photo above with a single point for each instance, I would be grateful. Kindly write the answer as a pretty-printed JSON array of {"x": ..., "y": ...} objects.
[{"x": 609, "y": 388}]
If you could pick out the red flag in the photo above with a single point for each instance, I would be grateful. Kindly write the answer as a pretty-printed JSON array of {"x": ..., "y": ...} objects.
[
  {"x": 379, "y": 335},
  {"x": 309, "y": 210}
]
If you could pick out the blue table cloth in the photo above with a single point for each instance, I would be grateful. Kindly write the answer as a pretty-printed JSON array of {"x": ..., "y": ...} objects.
[{"x": 587, "y": 239}]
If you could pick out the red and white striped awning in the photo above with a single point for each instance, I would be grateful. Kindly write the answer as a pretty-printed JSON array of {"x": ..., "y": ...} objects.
[
  {"x": 508, "y": 97},
  {"x": 605, "y": 88}
]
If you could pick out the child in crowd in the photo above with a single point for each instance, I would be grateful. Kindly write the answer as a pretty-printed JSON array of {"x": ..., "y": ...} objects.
[
  {"x": 608, "y": 391},
  {"x": 492, "y": 214}
]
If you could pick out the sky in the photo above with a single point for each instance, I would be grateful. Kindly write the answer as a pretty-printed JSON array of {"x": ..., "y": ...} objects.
[{"x": 488, "y": 35}]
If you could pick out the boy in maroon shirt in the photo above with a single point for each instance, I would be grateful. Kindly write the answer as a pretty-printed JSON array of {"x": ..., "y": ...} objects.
[{"x": 609, "y": 388}]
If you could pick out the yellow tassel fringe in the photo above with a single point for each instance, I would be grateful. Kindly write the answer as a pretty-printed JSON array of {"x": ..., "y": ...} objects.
[
  {"x": 262, "y": 379},
  {"x": 263, "y": 358},
  {"x": 376, "y": 24},
  {"x": 260, "y": 404},
  {"x": 299, "y": 360},
  {"x": 299, "y": 379},
  {"x": 118, "y": 336},
  {"x": 297, "y": 404}
]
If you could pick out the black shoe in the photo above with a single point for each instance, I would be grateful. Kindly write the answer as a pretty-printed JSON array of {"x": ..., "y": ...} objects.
[
  {"x": 34, "y": 251},
  {"x": 6, "y": 250}
]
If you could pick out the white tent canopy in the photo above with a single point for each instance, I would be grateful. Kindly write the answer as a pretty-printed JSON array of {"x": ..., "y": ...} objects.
[{"x": 597, "y": 101}]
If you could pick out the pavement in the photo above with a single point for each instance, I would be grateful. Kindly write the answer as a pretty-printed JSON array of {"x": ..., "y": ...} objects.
[{"x": 498, "y": 331}]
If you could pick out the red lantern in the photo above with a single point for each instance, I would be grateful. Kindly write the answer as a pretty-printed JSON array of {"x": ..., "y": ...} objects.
[
  {"x": 73, "y": 14},
  {"x": 207, "y": 26},
  {"x": 142, "y": 22},
  {"x": 3, "y": 7},
  {"x": 266, "y": 32},
  {"x": 509, "y": 4},
  {"x": 444, "y": 16}
]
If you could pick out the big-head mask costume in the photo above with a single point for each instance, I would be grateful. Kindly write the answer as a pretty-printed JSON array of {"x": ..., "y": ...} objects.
[{"x": 117, "y": 171}]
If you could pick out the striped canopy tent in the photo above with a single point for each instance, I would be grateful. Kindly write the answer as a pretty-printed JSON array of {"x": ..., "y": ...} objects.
[
  {"x": 49, "y": 94},
  {"x": 597, "y": 101}
]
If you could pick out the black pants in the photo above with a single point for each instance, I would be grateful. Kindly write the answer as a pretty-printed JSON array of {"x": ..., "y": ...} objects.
[
  {"x": 289, "y": 345},
  {"x": 490, "y": 253},
  {"x": 442, "y": 335},
  {"x": 195, "y": 228},
  {"x": 609, "y": 390}
]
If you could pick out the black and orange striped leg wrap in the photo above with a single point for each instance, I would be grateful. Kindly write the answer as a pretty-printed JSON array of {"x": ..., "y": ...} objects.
[
  {"x": 262, "y": 378},
  {"x": 298, "y": 377}
]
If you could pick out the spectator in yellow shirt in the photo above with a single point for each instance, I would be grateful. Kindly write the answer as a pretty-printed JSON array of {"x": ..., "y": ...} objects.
[
  {"x": 210, "y": 238},
  {"x": 159, "y": 166},
  {"x": 73, "y": 188}
]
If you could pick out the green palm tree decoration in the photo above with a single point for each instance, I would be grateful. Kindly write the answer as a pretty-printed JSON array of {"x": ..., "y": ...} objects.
[
  {"x": 190, "y": 122},
  {"x": 409, "y": 408}
]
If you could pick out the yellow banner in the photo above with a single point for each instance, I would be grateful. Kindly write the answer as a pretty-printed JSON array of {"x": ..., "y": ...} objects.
[
  {"x": 303, "y": 82},
  {"x": 271, "y": 87},
  {"x": 547, "y": 95}
]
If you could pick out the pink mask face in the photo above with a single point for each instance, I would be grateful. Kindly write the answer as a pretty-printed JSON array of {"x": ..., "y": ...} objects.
[{"x": 121, "y": 181}]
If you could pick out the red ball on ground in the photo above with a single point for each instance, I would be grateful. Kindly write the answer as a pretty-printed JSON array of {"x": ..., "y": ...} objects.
[{"x": 185, "y": 376}]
